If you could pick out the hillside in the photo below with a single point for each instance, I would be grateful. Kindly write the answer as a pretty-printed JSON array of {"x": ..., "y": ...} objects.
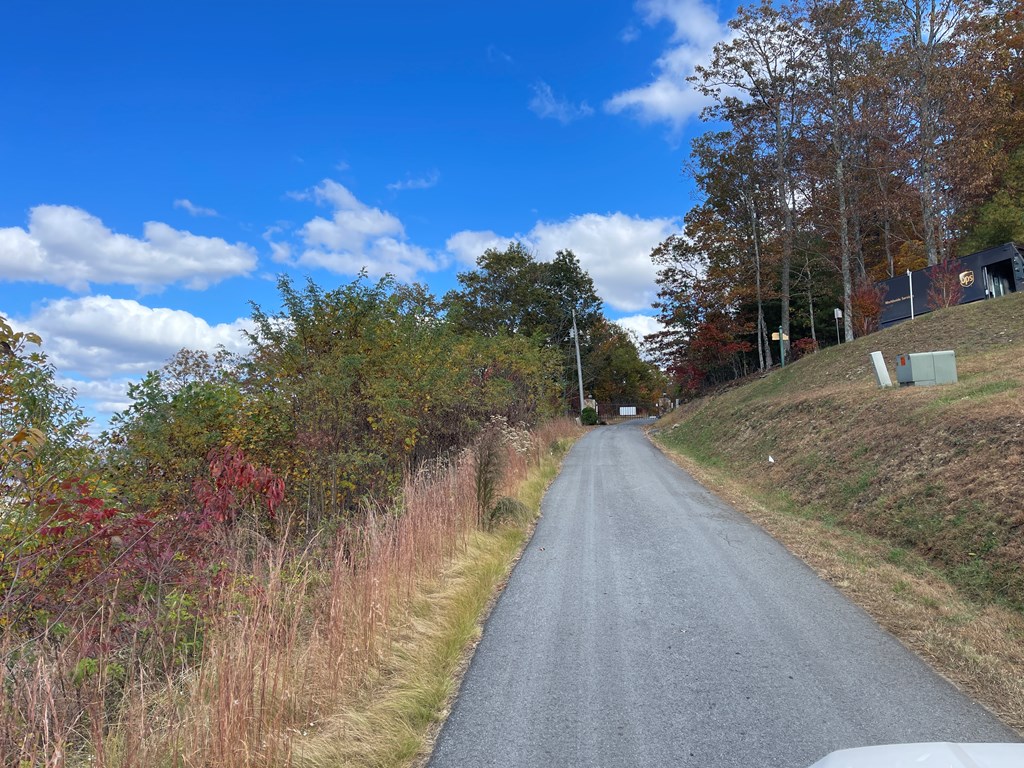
[{"x": 937, "y": 471}]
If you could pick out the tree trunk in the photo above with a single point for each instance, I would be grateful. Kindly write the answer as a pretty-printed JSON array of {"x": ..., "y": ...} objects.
[
  {"x": 764, "y": 353},
  {"x": 787, "y": 215},
  {"x": 926, "y": 119},
  {"x": 810, "y": 301},
  {"x": 844, "y": 245}
]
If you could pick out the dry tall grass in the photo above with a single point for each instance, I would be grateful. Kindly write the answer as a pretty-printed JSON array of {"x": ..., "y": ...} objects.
[{"x": 296, "y": 636}]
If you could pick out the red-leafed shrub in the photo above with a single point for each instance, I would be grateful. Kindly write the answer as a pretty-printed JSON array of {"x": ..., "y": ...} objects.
[
  {"x": 867, "y": 301},
  {"x": 802, "y": 348},
  {"x": 237, "y": 486},
  {"x": 946, "y": 289}
]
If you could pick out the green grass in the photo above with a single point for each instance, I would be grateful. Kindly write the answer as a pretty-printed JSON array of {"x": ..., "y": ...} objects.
[
  {"x": 852, "y": 490},
  {"x": 961, "y": 392}
]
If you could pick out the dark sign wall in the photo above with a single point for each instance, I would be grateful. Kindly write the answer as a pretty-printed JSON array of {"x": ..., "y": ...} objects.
[{"x": 982, "y": 275}]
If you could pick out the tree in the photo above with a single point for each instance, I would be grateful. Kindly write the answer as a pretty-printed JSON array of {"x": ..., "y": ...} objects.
[
  {"x": 615, "y": 371},
  {"x": 42, "y": 428},
  {"x": 766, "y": 62},
  {"x": 735, "y": 179},
  {"x": 512, "y": 293},
  {"x": 347, "y": 387},
  {"x": 703, "y": 342},
  {"x": 839, "y": 45}
]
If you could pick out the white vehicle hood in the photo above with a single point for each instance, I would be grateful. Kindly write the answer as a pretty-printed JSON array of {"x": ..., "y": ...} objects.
[{"x": 937, "y": 754}]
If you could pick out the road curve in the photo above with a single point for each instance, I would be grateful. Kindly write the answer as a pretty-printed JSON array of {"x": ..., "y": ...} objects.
[{"x": 650, "y": 624}]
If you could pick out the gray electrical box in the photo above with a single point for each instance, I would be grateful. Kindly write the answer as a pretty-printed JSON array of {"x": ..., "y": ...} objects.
[{"x": 923, "y": 369}]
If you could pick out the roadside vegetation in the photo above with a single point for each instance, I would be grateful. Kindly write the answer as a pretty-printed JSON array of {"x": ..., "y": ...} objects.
[
  {"x": 909, "y": 499},
  {"x": 279, "y": 558}
]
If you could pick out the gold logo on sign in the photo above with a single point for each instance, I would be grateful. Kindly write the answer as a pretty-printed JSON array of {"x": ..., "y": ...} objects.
[{"x": 967, "y": 278}]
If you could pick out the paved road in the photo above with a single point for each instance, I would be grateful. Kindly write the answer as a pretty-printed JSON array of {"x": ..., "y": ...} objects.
[{"x": 650, "y": 624}]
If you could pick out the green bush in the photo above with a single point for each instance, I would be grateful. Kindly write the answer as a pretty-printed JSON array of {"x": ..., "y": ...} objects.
[
  {"x": 507, "y": 510},
  {"x": 588, "y": 417}
]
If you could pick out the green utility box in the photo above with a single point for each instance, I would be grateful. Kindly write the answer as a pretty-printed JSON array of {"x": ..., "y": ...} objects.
[{"x": 923, "y": 369}]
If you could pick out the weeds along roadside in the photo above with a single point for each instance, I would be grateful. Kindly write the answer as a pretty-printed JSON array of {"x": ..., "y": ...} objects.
[{"x": 343, "y": 651}]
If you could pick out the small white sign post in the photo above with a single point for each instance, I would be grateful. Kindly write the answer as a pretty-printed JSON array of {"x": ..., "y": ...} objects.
[{"x": 838, "y": 313}]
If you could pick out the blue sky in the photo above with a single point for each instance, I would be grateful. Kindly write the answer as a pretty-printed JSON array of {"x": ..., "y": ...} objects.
[{"x": 162, "y": 162}]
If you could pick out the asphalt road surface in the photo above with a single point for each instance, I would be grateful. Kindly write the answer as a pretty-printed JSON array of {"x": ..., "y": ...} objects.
[{"x": 650, "y": 624}]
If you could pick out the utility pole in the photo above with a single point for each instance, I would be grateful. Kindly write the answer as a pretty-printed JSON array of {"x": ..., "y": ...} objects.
[{"x": 579, "y": 365}]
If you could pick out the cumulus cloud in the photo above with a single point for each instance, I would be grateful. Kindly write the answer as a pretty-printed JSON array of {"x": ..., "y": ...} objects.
[
  {"x": 68, "y": 246},
  {"x": 545, "y": 104},
  {"x": 640, "y": 325},
  {"x": 356, "y": 236},
  {"x": 101, "y": 339},
  {"x": 468, "y": 245},
  {"x": 105, "y": 397},
  {"x": 614, "y": 248},
  {"x": 193, "y": 209},
  {"x": 416, "y": 182},
  {"x": 669, "y": 98}
]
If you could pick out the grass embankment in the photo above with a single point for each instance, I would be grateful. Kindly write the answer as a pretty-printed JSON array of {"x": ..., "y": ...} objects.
[{"x": 910, "y": 500}]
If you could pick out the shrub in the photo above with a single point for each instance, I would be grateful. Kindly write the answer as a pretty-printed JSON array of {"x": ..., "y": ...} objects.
[
  {"x": 867, "y": 301},
  {"x": 505, "y": 510},
  {"x": 802, "y": 348},
  {"x": 946, "y": 289},
  {"x": 489, "y": 468},
  {"x": 588, "y": 417}
]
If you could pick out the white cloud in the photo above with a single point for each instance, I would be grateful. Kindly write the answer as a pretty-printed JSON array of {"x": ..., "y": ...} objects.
[
  {"x": 69, "y": 247},
  {"x": 193, "y": 209},
  {"x": 640, "y": 325},
  {"x": 338, "y": 195},
  {"x": 669, "y": 98},
  {"x": 102, "y": 339},
  {"x": 350, "y": 230},
  {"x": 384, "y": 255},
  {"x": 630, "y": 34},
  {"x": 355, "y": 237},
  {"x": 105, "y": 397},
  {"x": 545, "y": 104},
  {"x": 419, "y": 182},
  {"x": 468, "y": 245},
  {"x": 614, "y": 248}
]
